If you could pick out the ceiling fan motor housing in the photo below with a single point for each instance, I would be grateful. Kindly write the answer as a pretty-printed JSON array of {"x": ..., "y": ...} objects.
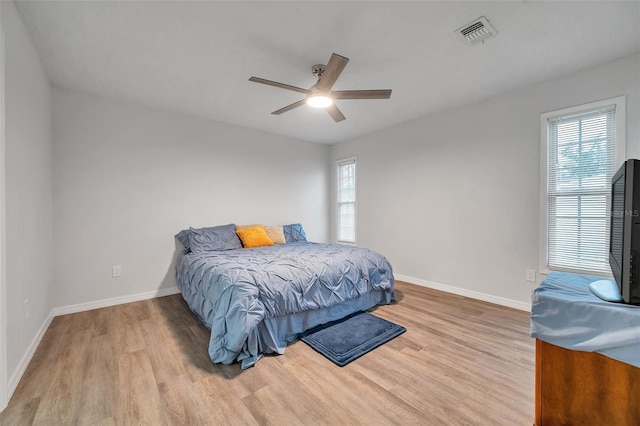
[{"x": 318, "y": 70}]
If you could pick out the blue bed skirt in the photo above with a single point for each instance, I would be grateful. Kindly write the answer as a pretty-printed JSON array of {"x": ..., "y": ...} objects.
[{"x": 273, "y": 334}]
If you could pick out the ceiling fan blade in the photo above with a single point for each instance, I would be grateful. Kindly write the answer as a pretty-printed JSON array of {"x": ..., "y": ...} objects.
[
  {"x": 361, "y": 94},
  {"x": 280, "y": 85},
  {"x": 332, "y": 72},
  {"x": 290, "y": 107},
  {"x": 335, "y": 113}
]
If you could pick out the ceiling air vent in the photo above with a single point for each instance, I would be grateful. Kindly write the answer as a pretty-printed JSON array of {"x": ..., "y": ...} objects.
[{"x": 476, "y": 31}]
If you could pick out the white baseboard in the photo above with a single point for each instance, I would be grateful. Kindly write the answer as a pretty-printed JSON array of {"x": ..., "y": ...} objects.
[
  {"x": 26, "y": 358},
  {"x": 523, "y": 306},
  {"x": 81, "y": 307},
  {"x": 71, "y": 309}
]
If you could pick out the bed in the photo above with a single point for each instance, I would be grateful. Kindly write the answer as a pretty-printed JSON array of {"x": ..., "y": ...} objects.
[{"x": 257, "y": 300}]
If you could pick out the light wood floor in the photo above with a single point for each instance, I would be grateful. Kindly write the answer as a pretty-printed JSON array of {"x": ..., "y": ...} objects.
[{"x": 461, "y": 362}]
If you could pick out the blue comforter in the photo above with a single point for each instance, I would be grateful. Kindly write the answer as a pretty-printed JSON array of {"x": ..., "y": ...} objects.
[{"x": 234, "y": 292}]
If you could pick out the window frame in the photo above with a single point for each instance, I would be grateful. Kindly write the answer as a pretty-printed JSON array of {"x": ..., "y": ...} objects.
[
  {"x": 339, "y": 163},
  {"x": 620, "y": 156}
]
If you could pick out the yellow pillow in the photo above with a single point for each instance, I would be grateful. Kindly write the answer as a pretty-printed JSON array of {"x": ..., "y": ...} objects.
[
  {"x": 249, "y": 226},
  {"x": 275, "y": 234},
  {"x": 254, "y": 237}
]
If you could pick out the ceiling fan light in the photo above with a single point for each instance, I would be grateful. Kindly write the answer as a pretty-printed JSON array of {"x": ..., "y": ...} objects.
[{"x": 319, "y": 101}]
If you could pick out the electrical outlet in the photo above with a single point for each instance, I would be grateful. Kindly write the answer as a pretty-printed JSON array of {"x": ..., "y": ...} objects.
[
  {"x": 116, "y": 271},
  {"x": 26, "y": 308},
  {"x": 530, "y": 275}
]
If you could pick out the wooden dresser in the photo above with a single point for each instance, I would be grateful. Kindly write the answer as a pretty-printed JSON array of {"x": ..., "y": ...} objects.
[{"x": 584, "y": 388}]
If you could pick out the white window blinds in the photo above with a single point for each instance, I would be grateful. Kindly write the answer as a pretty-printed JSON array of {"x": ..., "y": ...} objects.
[
  {"x": 581, "y": 162},
  {"x": 347, "y": 201}
]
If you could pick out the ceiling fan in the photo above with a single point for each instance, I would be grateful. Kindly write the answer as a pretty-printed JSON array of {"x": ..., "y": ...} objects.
[{"x": 320, "y": 94}]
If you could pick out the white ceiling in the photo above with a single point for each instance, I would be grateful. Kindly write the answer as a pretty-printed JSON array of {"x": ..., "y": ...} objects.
[{"x": 196, "y": 57}]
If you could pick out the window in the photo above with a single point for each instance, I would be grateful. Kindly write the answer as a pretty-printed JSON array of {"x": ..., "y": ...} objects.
[
  {"x": 347, "y": 201},
  {"x": 581, "y": 150}
]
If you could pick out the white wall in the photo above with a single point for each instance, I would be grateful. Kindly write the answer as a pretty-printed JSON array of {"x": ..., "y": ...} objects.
[
  {"x": 28, "y": 190},
  {"x": 453, "y": 199},
  {"x": 127, "y": 178}
]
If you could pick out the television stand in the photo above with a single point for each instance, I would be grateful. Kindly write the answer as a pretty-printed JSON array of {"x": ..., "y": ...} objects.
[
  {"x": 587, "y": 355},
  {"x": 584, "y": 388}
]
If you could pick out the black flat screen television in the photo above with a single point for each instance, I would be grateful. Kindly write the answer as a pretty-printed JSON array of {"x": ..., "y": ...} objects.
[{"x": 624, "y": 231}]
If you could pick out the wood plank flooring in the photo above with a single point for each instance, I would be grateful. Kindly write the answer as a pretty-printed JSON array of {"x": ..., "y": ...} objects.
[{"x": 461, "y": 362}]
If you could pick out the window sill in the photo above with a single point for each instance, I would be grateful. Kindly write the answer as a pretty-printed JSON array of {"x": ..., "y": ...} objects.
[{"x": 577, "y": 271}]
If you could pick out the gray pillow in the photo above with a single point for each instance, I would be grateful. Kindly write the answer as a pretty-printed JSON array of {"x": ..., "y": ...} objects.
[
  {"x": 213, "y": 239},
  {"x": 294, "y": 233},
  {"x": 183, "y": 237}
]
